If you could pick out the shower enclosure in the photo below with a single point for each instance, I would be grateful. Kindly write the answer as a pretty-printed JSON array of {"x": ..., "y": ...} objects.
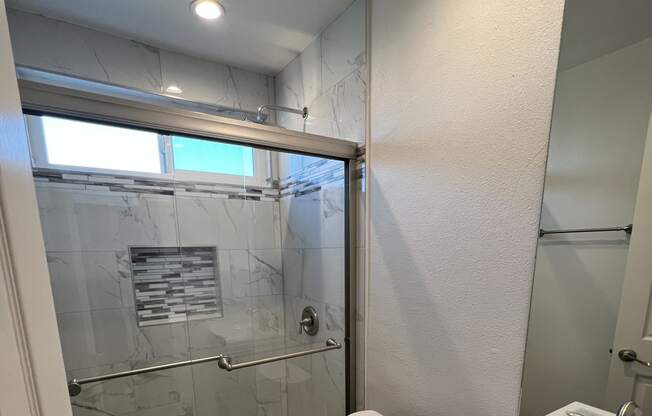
[{"x": 193, "y": 273}]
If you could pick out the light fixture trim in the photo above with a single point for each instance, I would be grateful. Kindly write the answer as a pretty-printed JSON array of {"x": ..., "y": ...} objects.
[
  {"x": 173, "y": 89},
  {"x": 207, "y": 9}
]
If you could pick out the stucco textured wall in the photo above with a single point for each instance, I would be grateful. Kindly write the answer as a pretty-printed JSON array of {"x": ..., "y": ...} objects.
[{"x": 461, "y": 100}]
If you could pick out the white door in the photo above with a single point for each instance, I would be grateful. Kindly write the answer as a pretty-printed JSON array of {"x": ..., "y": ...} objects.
[{"x": 632, "y": 380}]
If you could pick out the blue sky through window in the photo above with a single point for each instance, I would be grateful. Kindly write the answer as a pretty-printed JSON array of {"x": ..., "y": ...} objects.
[{"x": 212, "y": 157}]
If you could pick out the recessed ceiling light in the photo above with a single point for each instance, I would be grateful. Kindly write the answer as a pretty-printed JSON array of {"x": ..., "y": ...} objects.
[
  {"x": 207, "y": 9},
  {"x": 173, "y": 89}
]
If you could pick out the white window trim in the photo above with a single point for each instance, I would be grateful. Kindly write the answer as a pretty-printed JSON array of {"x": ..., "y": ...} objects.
[{"x": 262, "y": 162}]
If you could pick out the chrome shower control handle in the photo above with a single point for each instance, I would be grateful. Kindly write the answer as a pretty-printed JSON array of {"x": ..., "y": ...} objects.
[
  {"x": 305, "y": 322},
  {"x": 630, "y": 355},
  {"x": 309, "y": 322}
]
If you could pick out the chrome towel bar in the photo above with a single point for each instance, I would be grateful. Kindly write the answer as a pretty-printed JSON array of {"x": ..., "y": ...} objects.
[
  {"x": 224, "y": 362},
  {"x": 627, "y": 228}
]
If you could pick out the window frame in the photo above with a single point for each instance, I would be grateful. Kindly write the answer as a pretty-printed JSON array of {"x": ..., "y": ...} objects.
[{"x": 262, "y": 163}]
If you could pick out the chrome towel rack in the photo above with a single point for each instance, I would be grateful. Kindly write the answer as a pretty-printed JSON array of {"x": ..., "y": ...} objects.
[
  {"x": 223, "y": 362},
  {"x": 627, "y": 229}
]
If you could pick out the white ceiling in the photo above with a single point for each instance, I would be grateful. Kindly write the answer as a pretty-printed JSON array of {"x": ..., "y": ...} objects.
[
  {"x": 260, "y": 35},
  {"x": 593, "y": 28}
]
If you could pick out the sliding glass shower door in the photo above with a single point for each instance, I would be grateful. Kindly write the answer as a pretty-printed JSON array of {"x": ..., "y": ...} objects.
[{"x": 193, "y": 277}]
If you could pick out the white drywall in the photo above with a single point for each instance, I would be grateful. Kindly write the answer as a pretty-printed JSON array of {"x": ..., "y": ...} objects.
[
  {"x": 461, "y": 100},
  {"x": 597, "y": 140}
]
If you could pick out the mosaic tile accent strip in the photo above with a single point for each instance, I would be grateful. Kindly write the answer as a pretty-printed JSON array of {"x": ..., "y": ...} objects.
[
  {"x": 175, "y": 284},
  {"x": 312, "y": 177},
  {"x": 162, "y": 186}
]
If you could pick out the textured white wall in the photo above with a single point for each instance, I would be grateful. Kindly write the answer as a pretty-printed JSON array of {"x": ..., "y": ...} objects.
[
  {"x": 599, "y": 127},
  {"x": 461, "y": 99}
]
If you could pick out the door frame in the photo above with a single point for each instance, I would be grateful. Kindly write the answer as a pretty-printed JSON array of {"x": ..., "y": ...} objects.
[
  {"x": 632, "y": 319},
  {"x": 33, "y": 376}
]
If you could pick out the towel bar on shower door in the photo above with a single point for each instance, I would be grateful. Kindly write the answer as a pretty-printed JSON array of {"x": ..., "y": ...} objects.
[{"x": 224, "y": 362}]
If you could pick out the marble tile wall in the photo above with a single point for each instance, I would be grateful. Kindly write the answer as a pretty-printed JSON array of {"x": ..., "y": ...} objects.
[
  {"x": 88, "y": 231},
  {"x": 330, "y": 78},
  {"x": 312, "y": 229},
  {"x": 62, "y": 47}
]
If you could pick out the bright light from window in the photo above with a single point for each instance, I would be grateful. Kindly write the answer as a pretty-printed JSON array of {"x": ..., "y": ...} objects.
[
  {"x": 90, "y": 145},
  {"x": 212, "y": 157}
]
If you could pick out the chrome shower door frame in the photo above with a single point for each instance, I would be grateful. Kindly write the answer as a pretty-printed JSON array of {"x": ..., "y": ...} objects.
[{"x": 110, "y": 104}]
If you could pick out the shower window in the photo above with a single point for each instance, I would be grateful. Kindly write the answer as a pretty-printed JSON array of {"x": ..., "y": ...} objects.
[
  {"x": 81, "y": 146},
  {"x": 71, "y": 143}
]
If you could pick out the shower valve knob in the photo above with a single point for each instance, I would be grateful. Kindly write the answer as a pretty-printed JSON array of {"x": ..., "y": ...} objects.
[{"x": 309, "y": 322}]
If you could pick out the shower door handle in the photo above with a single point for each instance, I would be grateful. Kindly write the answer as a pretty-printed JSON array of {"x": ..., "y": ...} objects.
[
  {"x": 630, "y": 355},
  {"x": 225, "y": 362}
]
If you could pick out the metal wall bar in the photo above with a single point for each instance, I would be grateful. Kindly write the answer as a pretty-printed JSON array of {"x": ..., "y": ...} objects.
[{"x": 627, "y": 229}]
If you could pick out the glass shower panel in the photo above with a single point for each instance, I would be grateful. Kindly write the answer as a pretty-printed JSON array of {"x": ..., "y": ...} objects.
[
  {"x": 211, "y": 255},
  {"x": 111, "y": 242},
  {"x": 278, "y": 235}
]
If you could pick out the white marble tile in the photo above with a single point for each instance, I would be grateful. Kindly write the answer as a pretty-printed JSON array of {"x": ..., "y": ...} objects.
[
  {"x": 343, "y": 45},
  {"x": 177, "y": 409},
  {"x": 157, "y": 344},
  {"x": 334, "y": 322},
  {"x": 235, "y": 274},
  {"x": 340, "y": 111},
  {"x": 270, "y": 388},
  {"x": 266, "y": 272},
  {"x": 104, "y": 221},
  {"x": 114, "y": 397},
  {"x": 323, "y": 392},
  {"x": 268, "y": 319},
  {"x": 270, "y": 409},
  {"x": 58, "y": 219},
  {"x": 314, "y": 220},
  {"x": 242, "y": 89},
  {"x": 323, "y": 275},
  {"x": 329, "y": 386},
  {"x": 92, "y": 339},
  {"x": 293, "y": 268},
  {"x": 84, "y": 281},
  {"x": 311, "y": 71},
  {"x": 61, "y": 47},
  {"x": 174, "y": 387},
  {"x": 332, "y": 215},
  {"x": 299, "y": 83},
  {"x": 235, "y": 219},
  {"x": 264, "y": 230},
  {"x": 197, "y": 78},
  {"x": 225, "y": 393},
  {"x": 198, "y": 220},
  {"x": 289, "y": 86},
  {"x": 300, "y": 221},
  {"x": 111, "y": 336},
  {"x": 233, "y": 333}
]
